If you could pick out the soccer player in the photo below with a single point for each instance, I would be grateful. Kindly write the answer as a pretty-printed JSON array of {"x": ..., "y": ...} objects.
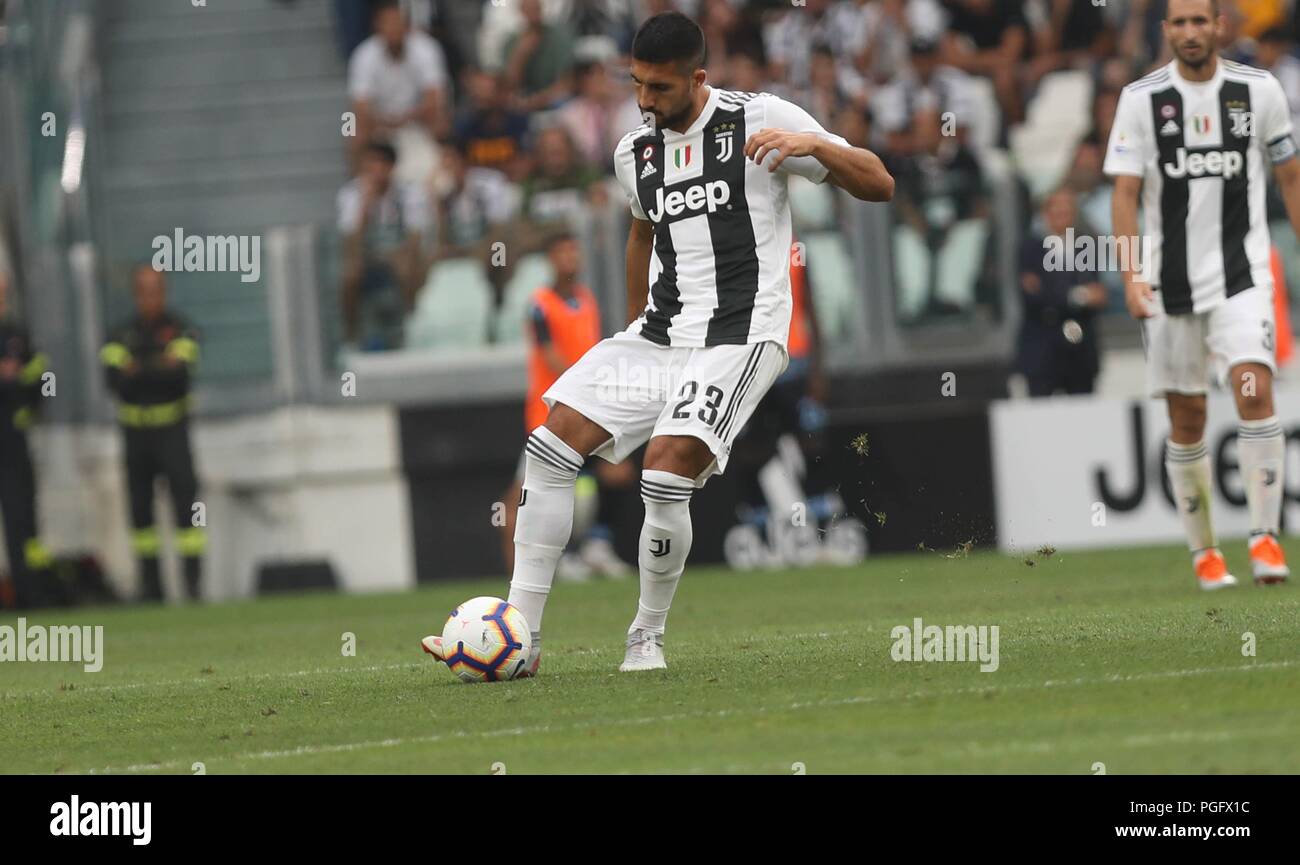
[
  {"x": 1193, "y": 137},
  {"x": 705, "y": 176}
]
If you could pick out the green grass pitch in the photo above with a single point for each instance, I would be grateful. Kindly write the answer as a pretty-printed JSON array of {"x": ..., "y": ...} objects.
[{"x": 1107, "y": 657}]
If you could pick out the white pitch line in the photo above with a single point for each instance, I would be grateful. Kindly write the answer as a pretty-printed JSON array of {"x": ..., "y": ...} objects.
[{"x": 311, "y": 750}]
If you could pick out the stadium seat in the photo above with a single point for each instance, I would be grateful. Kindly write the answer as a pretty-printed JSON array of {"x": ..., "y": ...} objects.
[
  {"x": 987, "y": 114},
  {"x": 453, "y": 308},
  {"x": 911, "y": 273},
  {"x": 812, "y": 205},
  {"x": 834, "y": 285},
  {"x": 531, "y": 273},
  {"x": 1056, "y": 119},
  {"x": 959, "y": 263}
]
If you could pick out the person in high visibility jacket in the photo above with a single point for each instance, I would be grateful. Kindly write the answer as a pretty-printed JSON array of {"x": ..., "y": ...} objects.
[
  {"x": 563, "y": 322},
  {"x": 21, "y": 368},
  {"x": 150, "y": 362}
]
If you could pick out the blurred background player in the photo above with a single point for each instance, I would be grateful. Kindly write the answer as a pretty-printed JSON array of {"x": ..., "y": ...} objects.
[
  {"x": 21, "y": 367},
  {"x": 1193, "y": 137},
  {"x": 150, "y": 363},
  {"x": 563, "y": 322}
]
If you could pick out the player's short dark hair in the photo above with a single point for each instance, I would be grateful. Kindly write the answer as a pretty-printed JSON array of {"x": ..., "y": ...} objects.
[
  {"x": 383, "y": 150},
  {"x": 670, "y": 37},
  {"x": 379, "y": 6},
  {"x": 1214, "y": 9}
]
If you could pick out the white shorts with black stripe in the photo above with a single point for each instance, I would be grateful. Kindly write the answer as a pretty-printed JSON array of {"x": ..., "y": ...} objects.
[
  {"x": 1182, "y": 351},
  {"x": 637, "y": 389}
]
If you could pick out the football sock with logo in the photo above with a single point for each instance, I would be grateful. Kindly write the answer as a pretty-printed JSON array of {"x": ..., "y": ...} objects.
[
  {"x": 1189, "y": 476},
  {"x": 543, "y": 522},
  {"x": 665, "y": 543},
  {"x": 1261, "y": 450}
]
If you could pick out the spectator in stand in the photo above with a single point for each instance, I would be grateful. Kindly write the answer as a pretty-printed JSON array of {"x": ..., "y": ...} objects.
[
  {"x": 491, "y": 133},
  {"x": 824, "y": 96},
  {"x": 1057, "y": 348},
  {"x": 881, "y": 31},
  {"x": 589, "y": 118},
  {"x": 745, "y": 71},
  {"x": 563, "y": 183},
  {"x": 922, "y": 93},
  {"x": 988, "y": 37},
  {"x": 539, "y": 60},
  {"x": 790, "y": 38},
  {"x": 1069, "y": 35},
  {"x": 472, "y": 204},
  {"x": 397, "y": 81},
  {"x": 384, "y": 223},
  {"x": 728, "y": 30}
]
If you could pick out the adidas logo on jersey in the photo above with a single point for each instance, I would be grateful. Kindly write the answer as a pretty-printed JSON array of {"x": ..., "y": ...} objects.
[
  {"x": 1170, "y": 128},
  {"x": 648, "y": 170},
  {"x": 708, "y": 196},
  {"x": 1222, "y": 163}
]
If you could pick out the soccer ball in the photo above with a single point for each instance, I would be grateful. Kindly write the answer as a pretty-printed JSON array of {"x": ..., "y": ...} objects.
[{"x": 486, "y": 640}]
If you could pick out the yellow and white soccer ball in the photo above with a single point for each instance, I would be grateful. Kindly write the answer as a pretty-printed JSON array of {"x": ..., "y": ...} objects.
[{"x": 486, "y": 640}]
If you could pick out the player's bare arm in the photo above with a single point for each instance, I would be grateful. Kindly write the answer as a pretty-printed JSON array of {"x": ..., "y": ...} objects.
[
  {"x": 857, "y": 171},
  {"x": 1138, "y": 296},
  {"x": 1287, "y": 175},
  {"x": 640, "y": 242}
]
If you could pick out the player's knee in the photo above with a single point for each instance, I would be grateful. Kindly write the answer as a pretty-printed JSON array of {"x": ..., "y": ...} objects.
[
  {"x": 550, "y": 462},
  {"x": 679, "y": 455},
  {"x": 1188, "y": 423}
]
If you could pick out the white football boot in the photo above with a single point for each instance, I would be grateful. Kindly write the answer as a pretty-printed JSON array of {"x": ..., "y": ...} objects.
[
  {"x": 432, "y": 645},
  {"x": 645, "y": 651}
]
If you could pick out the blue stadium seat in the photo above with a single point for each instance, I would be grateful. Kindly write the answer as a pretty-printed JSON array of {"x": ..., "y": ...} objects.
[{"x": 453, "y": 308}]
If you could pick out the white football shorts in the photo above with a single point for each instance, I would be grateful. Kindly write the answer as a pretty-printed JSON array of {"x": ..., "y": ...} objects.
[
  {"x": 637, "y": 389},
  {"x": 1181, "y": 348}
]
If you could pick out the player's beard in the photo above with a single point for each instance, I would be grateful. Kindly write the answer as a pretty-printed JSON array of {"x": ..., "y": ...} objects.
[
  {"x": 1196, "y": 62},
  {"x": 671, "y": 120}
]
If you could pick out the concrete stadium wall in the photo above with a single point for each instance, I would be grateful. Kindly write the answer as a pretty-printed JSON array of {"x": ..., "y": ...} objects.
[{"x": 291, "y": 485}]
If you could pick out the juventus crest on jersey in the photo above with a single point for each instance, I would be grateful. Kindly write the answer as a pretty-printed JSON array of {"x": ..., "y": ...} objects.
[
  {"x": 1200, "y": 149},
  {"x": 720, "y": 273}
]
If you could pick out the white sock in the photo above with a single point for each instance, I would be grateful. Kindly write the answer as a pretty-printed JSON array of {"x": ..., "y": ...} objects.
[
  {"x": 1261, "y": 450},
  {"x": 543, "y": 521},
  {"x": 667, "y": 531},
  {"x": 1189, "y": 476}
]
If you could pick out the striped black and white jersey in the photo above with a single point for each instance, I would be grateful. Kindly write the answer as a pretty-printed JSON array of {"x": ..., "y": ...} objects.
[
  {"x": 720, "y": 272},
  {"x": 1200, "y": 149}
]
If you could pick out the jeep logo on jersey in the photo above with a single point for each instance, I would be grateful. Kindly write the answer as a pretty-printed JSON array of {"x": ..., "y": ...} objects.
[
  {"x": 710, "y": 196},
  {"x": 1214, "y": 163}
]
